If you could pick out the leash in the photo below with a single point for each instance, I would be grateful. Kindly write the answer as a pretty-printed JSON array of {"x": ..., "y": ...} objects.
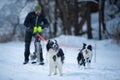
[{"x": 42, "y": 38}]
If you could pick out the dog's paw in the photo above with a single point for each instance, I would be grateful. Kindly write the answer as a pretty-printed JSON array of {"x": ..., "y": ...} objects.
[
  {"x": 85, "y": 68},
  {"x": 55, "y": 73}
]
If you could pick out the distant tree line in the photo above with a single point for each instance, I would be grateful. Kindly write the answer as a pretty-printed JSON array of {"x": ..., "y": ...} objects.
[{"x": 68, "y": 16}]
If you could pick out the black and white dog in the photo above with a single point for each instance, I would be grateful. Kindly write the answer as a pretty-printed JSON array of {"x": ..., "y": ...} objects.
[
  {"x": 85, "y": 56},
  {"x": 55, "y": 57}
]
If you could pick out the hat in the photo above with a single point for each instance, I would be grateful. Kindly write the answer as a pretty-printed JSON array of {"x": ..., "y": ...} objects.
[{"x": 37, "y": 7}]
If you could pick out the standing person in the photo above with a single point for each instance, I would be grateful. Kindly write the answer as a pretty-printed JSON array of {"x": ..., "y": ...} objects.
[{"x": 33, "y": 19}]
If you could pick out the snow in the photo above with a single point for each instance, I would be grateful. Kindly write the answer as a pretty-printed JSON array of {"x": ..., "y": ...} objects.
[{"x": 106, "y": 67}]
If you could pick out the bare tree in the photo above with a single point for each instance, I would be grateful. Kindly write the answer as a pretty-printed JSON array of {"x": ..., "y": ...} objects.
[
  {"x": 56, "y": 17},
  {"x": 89, "y": 28},
  {"x": 102, "y": 25},
  {"x": 69, "y": 11}
]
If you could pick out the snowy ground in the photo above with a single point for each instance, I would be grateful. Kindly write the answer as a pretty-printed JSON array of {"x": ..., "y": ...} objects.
[{"x": 107, "y": 66}]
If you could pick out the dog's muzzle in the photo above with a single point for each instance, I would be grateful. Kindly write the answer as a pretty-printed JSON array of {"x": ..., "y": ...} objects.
[
  {"x": 86, "y": 51},
  {"x": 55, "y": 47}
]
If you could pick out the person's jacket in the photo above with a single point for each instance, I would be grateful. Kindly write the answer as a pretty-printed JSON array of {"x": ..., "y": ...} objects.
[{"x": 30, "y": 20}]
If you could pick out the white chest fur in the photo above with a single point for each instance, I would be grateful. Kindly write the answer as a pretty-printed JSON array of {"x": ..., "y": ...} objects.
[{"x": 54, "y": 64}]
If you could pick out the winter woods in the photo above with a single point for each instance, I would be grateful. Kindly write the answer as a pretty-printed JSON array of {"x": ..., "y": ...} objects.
[{"x": 66, "y": 17}]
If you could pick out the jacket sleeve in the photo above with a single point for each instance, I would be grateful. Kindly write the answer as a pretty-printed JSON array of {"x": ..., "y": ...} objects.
[
  {"x": 27, "y": 22},
  {"x": 45, "y": 21}
]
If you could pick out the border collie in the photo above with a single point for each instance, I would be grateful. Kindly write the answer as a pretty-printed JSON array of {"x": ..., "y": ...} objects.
[
  {"x": 85, "y": 56},
  {"x": 55, "y": 57}
]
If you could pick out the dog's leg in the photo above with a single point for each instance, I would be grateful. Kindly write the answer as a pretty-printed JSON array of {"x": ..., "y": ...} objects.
[
  {"x": 60, "y": 69},
  {"x": 88, "y": 65},
  {"x": 55, "y": 72},
  {"x": 50, "y": 69},
  {"x": 79, "y": 63},
  {"x": 84, "y": 63},
  {"x": 89, "y": 62}
]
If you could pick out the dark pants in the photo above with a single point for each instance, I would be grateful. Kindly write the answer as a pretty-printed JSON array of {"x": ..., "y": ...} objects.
[{"x": 28, "y": 38}]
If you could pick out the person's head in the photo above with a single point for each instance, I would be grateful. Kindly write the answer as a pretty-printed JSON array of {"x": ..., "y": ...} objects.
[{"x": 37, "y": 9}]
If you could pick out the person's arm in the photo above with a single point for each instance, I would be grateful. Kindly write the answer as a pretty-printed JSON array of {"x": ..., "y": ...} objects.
[
  {"x": 45, "y": 21},
  {"x": 27, "y": 22}
]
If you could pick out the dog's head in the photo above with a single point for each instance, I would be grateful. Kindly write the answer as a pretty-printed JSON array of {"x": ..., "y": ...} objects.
[
  {"x": 52, "y": 44},
  {"x": 86, "y": 48}
]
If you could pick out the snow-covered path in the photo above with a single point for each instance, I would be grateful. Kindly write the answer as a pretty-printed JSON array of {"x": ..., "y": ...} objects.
[{"x": 107, "y": 66}]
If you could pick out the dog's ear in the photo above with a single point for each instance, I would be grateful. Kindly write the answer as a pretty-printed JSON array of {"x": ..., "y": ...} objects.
[
  {"x": 84, "y": 44},
  {"x": 55, "y": 41},
  {"x": 49, "y": 41},
  {"x": 89, "y": 47}
]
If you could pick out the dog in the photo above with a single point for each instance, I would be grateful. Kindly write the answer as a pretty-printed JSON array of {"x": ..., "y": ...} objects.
[
  {"x": 55, "y": 57},
  {"x": 85, "y": 56}
]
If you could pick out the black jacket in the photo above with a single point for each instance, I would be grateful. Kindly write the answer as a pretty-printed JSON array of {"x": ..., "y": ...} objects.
[{"x": 30, "y": 20}]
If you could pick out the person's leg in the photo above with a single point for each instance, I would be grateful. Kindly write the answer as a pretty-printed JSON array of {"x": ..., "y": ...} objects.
[
  {"x": 28, "y": 37},
  {"x": 41, "y": 55},
  {"x": 27, "y": 51}
]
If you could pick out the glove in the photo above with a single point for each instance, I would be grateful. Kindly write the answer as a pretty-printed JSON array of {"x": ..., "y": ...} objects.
[{"x": 37, "y": 29}]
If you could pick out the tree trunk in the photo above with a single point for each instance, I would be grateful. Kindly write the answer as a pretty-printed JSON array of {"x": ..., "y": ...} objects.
[
  {"x": 55, "y": 20},
  {"x": 102, "y": 25},
  {"x": 102, "y": 15},
  {"x": 89, "y": 29},
  {"x": 83, "y": 19},
  {"x": 100, "y": 36},
  {"x": 76, "y": 31}
]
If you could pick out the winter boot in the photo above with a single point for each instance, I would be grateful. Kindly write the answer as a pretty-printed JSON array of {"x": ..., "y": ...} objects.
[{"x": 25, "y": 62}]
